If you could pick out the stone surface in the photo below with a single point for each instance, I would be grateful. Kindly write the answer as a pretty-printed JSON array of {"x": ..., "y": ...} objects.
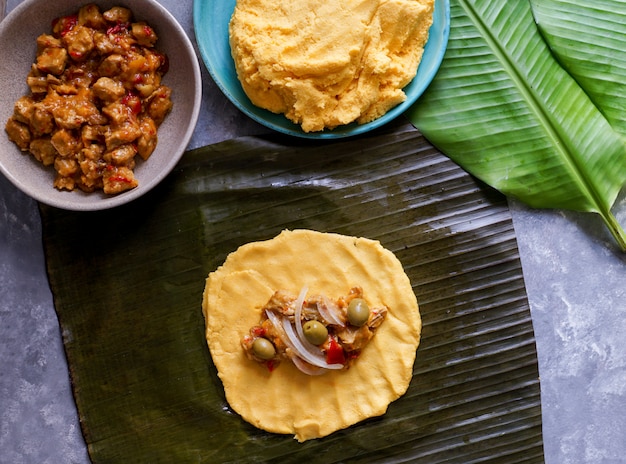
[
  {"x": 576, "y": 289},
  {"x": 576, "y": 284}
]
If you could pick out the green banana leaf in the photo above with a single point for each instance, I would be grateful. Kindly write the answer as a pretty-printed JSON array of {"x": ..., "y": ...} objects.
[
  {"x": 504, "y": 109},
  {"x": 128, "y": 283},
  {"x": 589, "y": 40}
]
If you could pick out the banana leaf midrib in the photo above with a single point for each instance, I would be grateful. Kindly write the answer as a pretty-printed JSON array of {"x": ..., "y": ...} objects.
[{"x": 560, "y": 141}]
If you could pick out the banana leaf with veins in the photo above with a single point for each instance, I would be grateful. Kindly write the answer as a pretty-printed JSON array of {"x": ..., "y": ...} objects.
[
  {"x": 503, "y": 108},
  {"x": 589, "y": 40}
]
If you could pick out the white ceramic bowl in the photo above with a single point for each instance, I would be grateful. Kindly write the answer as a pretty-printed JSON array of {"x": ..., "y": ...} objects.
[{"x": 18, "y": 33}]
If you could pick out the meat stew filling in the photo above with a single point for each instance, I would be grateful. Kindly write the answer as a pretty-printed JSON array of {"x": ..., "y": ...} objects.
[
  {"x": 316, "y": 333},
  {"x": 96, "y": 100}
]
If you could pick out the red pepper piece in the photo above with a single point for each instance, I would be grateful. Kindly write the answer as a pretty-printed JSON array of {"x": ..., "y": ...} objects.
[
  {"x": 258, "y": 331},
  {"x": 164, "y": 62},
  {"x": 271, "y": 365},
  {"x": 133, "y": 102},
  {"x": 118, "y": 28},
  {"x": 122, "y": 179},
  {"x": 335, "y": 354}
]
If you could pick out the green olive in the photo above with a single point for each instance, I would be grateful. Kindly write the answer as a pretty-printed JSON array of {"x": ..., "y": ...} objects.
[
  {"x": 358, "y": 312},
  {"x": 315, "y": 332},
  {"x": 263, "y": 348}
]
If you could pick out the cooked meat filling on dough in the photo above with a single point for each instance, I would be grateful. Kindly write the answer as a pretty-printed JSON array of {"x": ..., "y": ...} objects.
[{"x": 315, "y": 333}]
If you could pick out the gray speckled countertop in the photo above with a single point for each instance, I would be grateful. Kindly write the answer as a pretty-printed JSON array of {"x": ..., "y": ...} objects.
[{"x": 576, "y": 284}]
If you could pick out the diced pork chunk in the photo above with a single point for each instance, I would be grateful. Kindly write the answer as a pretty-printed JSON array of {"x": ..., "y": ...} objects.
[
  {"x": 23, "y": 109},
  {"x": 41, "y": 121},
  {"x": 64, "y": 183},
  {"x": 79, "y": 42},
  {"x": 43, "y": 150},
  {"x": 144, "y": 34},
  {"x": 66, "y": 167},
  {"x": 18, "y": 133},
  {"x": 119, "y": 134},
  {"x": 112, "y": 65},
  {"x": 89, "y": 15},
  {"x": 47, "y": 41},
  {"x": 117, "y": 179},
  {"x": 67, "y": 117},
  {"x": 160, "y": 105},
  {"x": 91, "y": 134},
  {"x": 148, "y": 139},
  {"x": 92, "y": 152},
  {"x": 103, "y": 43},
  {"x": 91, "y": 165},
  {"x": 37, "y": 84},
  {"x": 65, "y": 142},
  {"x": 37, "y": 81},
  {"x": 75, "y": 110},
  {"x": 118, "y": 14},
  {"x": 108, "y": 90},
  {"x": 121, "y": 156},
  {"x": 117, "y": 112},
  {"x": 52, "y": 60}
]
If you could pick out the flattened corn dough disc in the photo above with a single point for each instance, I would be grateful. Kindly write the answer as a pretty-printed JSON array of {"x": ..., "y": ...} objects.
[
  {"x": 325, "y": 63},
  {"x": 287, "y": 401}
]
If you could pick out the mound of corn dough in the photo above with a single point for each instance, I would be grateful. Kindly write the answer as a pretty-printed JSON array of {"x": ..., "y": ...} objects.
[{"x": 325, "y": 63}]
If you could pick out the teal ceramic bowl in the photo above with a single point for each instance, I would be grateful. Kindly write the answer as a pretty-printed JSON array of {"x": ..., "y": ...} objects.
[{"x": 211, "y": 18}]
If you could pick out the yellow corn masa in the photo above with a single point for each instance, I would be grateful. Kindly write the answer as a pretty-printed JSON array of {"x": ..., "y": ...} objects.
[
  {"x": 325, "y": 63},
  {"x": 286, "y": 400}
]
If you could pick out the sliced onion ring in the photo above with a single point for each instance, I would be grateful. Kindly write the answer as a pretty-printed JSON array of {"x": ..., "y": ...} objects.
[
  {"x": 328, "y": 314},
  {"x": 298, "y": 313},
  {"x": 306, "y": 367}
]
